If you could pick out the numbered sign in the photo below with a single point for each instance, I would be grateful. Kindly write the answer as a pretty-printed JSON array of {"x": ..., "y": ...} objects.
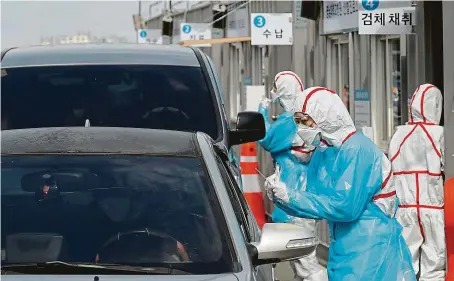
[
  {"x": 195, "y": 31},
  {"x": 142, "y": 36},
  {"x": 149, "y": 36},
  {"x": 386, "y": 17},
  {"x": 272, "y": 29}
]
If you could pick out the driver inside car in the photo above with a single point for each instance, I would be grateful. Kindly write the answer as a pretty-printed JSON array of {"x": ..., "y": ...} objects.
[
  {"x": 142, "y": 246},
  {"x": 127, "y": 209}
]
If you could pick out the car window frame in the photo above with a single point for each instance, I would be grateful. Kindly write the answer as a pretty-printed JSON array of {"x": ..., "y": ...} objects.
[
  {"x": 239, "y": 203},
  {"x": 214, "y": 91}
]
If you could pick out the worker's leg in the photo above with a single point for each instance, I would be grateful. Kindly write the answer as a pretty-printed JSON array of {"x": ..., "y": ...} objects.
[
  {"x": 433, "y": 254},
  {"x": 411, "y": 232}
]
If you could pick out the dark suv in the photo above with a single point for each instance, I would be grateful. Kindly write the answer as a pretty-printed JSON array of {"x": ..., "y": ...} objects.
[{"x": 130, "y": 85}]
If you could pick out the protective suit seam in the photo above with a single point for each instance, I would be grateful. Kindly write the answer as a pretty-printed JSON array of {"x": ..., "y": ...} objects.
[
  {"x": 403, "y": 142},
  {"x": 422, "y": 101},
  {"x": 431, "y": 141},
  {"x": 412, "y": 100}
]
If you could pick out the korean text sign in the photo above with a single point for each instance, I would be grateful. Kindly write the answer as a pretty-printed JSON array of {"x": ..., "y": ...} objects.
[
  {"x": 386, "y": 18},
  {"x": 195, "y": 31},
  {"x": 362, "y": 108},
  {"x": 271, "y": 29},
  {"x": 340, "y": 16}
]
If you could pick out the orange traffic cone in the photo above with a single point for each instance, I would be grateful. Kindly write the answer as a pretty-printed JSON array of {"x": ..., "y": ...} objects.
[{"x": 250, "y": 178}]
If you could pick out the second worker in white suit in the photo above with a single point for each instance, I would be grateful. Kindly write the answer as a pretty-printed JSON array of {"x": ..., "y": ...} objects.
[{"x": 416, "y": 153}]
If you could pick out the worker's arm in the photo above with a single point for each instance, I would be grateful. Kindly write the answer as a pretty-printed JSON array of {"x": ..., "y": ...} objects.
[{"x": 355, "y": 179}]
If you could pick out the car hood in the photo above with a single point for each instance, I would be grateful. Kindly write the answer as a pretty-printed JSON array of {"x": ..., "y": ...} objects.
[{"x": 217, "y": 277}]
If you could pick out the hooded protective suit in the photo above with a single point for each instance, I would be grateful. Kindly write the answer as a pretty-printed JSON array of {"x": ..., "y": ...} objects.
[
  {"x": 291, "y": 156},
  {"x": 349, "y": 184},
  {"x": 287, "y": 84},
  {"x": 416, "y": 152}
]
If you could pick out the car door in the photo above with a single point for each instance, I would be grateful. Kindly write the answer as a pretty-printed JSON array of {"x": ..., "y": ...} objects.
[{"x": 245, "y": 218}]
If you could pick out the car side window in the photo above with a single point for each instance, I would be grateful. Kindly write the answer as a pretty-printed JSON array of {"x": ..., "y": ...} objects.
[
  {"x": 237, "y": 196},
  {"x": 252, "y": 223},
  {"x": 240, "y": 212}
]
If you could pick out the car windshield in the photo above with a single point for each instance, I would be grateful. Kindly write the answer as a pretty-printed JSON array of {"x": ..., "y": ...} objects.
[
  {"x": 125, "y": 210},
  {"x": 138, "y": 96}
]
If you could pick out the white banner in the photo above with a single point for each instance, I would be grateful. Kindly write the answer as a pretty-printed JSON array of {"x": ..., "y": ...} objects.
[
  {"x": 272, "y": 29},
  {"x": 237, "y": 23},
  {"x": 339, "y": 16},
  {"x": 254, "y": 95}
]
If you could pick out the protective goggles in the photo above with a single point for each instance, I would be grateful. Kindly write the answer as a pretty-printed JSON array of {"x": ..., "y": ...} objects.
[{"x": 301, "y": 118}]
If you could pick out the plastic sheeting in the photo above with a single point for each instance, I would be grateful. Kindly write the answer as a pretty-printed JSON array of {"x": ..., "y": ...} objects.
[
  {"x": 279, "y": 140},
  {"x": 291, "y": 156},
  {"x": 366, "y": 244}
]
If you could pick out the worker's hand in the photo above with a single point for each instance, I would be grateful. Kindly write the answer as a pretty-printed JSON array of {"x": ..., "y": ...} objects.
[
  {"x": 269, "y": 183},
  {"x": 263, "y": 106},
  {"x": 275, "y": 188},
  {"x": 265, "y": 102}
]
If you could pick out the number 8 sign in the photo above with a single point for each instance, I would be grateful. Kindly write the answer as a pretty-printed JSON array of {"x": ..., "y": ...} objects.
[{"x": 259, "y": 21}]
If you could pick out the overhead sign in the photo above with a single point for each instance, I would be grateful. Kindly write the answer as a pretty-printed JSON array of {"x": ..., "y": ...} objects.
[
  {"x": 237, "y": 23},
  {"x": 386, "y": 18},
  {"x": 195, "y": 31},
  {"x": 362, "y": 108},
  {"x": 272, "y": 29},
  {"x": 340, "y": 16},
  {"x": 142, "y": 35}
]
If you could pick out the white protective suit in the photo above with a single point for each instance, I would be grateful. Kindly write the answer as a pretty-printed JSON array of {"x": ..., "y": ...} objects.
[
  {"x": 416, "y": 152},
  {"x": 288, "y": 86}
]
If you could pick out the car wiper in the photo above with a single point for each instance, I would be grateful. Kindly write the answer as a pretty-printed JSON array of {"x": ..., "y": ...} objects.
[{"x": 60, "y": 267}]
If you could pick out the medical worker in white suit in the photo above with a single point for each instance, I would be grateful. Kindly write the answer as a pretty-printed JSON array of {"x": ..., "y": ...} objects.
[{"x": 416, "y": 153}]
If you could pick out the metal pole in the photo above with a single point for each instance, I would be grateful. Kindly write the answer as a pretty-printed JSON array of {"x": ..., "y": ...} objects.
[
  {"x": 140, "y": 20},
  {"x": 186, "y": 12},
  {"x": 140, "y": 10}
]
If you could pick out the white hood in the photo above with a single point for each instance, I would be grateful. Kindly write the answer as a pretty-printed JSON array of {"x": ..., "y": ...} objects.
[
  {"x": 328, "y": 111},
  {"x": 288, "y": 85},
  {"x": 426, "y": 104}
]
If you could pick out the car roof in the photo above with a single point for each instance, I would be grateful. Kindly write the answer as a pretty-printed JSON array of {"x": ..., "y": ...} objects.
[
  {"x": 86, "y": 54},
  {"x": 98, "y": 140}
]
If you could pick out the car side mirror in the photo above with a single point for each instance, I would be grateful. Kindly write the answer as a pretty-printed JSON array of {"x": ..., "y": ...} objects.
[
  {"x": 250, "y": 127},
  {"x": 281, "y": 242}
]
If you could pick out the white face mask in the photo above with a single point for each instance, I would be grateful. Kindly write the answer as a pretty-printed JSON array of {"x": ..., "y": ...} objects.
[{"x": 309, "y": 135}]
